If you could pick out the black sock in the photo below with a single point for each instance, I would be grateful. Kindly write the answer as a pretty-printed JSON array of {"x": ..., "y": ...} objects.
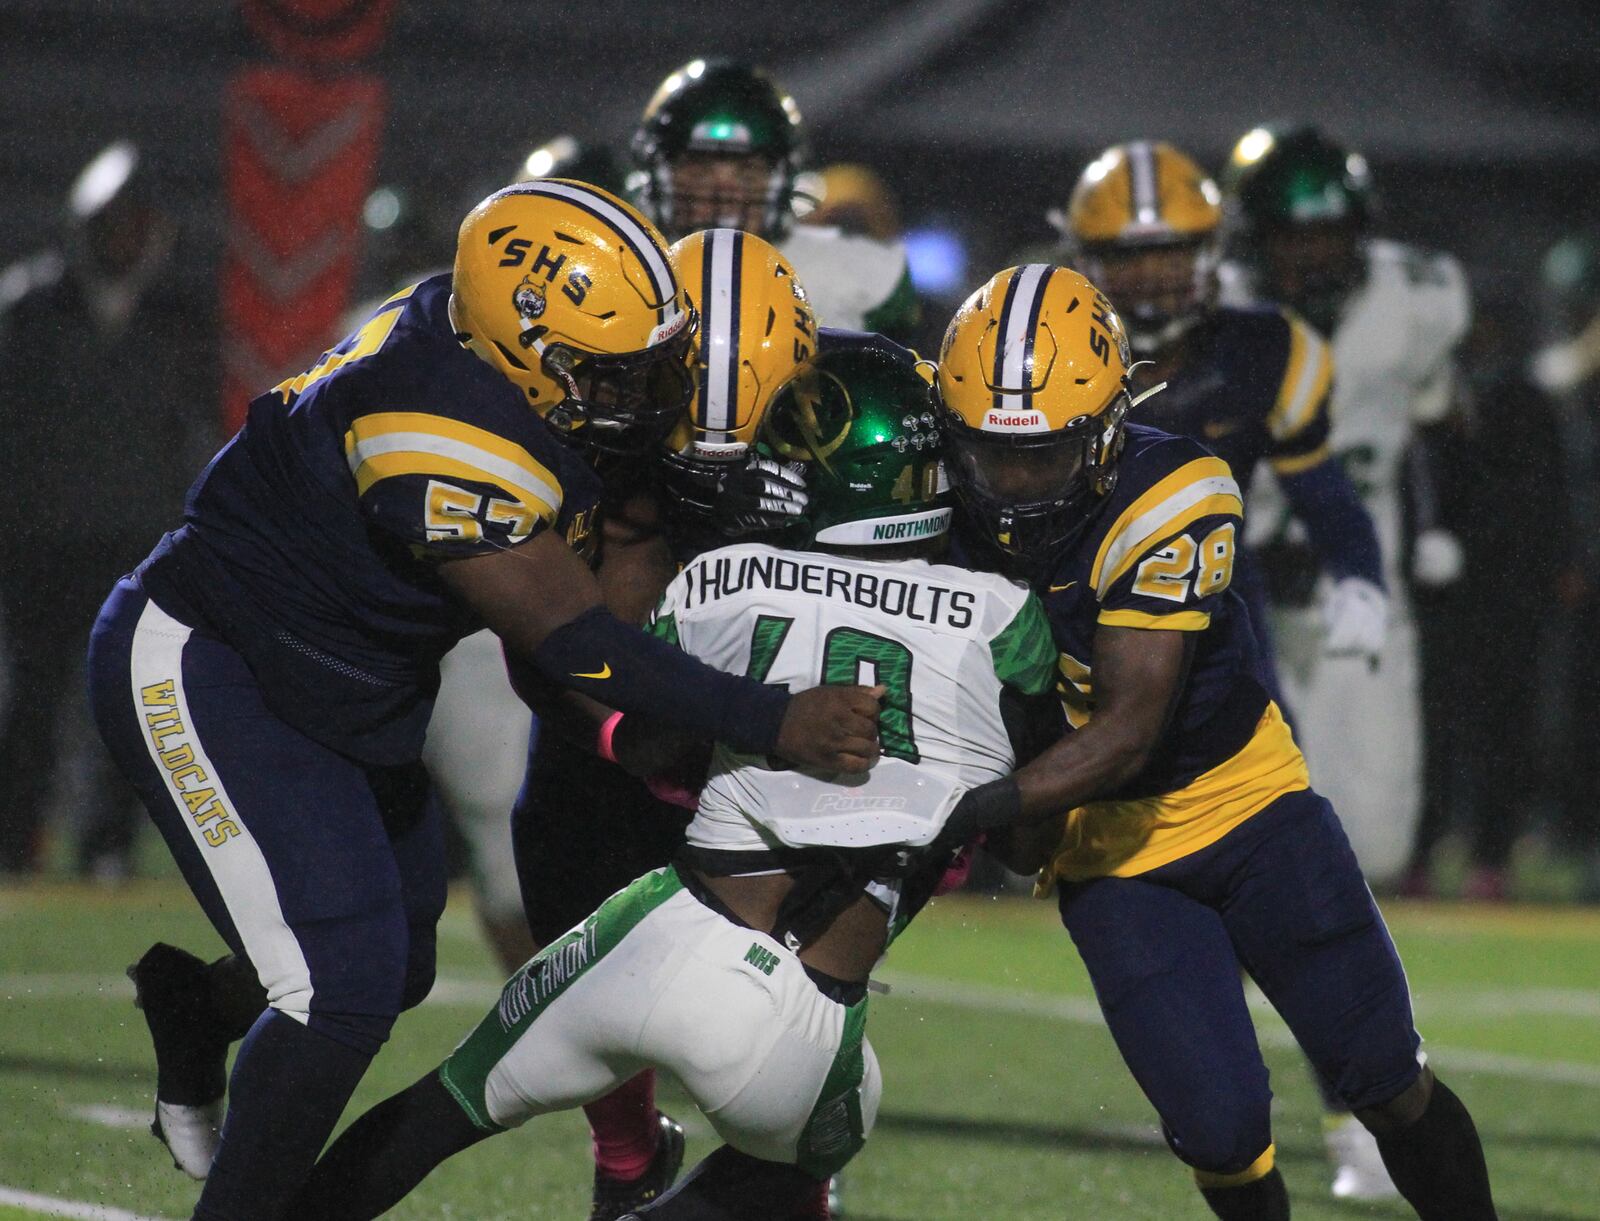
[
  {"x": 1263, "y": 1199},
  {"x": 237, "y": 997},
  {"x": 174, "y": 992},
  {"x": 1437, "y": 1162},
  {"x": 733, "y": 1186},
  {"x": 289, "y": 1085},
  {"x": 383, "y": 1155}
]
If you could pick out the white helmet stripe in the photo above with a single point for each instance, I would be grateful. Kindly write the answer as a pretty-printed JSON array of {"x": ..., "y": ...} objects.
[
  {"x": 721, "y": 272},
  {"x": 1015, "y": 372},
  {"x": 633, "y": 235},
  {"x": 1146, "y": 191}
]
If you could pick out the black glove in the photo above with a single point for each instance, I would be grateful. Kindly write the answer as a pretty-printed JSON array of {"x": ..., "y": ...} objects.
[{"x": 762, "y": 495}]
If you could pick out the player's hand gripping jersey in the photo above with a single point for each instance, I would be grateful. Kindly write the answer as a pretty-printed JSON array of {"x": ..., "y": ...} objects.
[
  {"x": 309, "y": 540},
  {"x": 947, "y": 643}
]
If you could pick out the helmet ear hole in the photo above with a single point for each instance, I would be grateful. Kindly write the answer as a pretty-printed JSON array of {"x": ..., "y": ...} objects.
[{"x": 511, "y": 358}]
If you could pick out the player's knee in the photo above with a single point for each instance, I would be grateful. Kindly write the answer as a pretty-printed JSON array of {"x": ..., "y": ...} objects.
[
  {"x": 370, "y": 972},
  {"x": 1225, "y": 1140},
  {"x": 1401, "y": 1111}
]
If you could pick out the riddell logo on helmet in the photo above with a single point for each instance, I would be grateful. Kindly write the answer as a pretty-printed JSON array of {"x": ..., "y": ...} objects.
[
  {"x": 1013, "y": 419},
  {"x": 669, "y": 328}
]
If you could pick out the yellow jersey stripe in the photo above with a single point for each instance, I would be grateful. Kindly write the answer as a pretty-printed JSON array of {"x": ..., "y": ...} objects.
[
  {"x": 1305, "y": 382},
  {"x": 1296, "y": 463},
  {"x": 1153, "y": 497},
  {"x": 1180, "y": 621},
  {"x": 1215, "y": 494},
  {"x": 383, "y": 466},
  {"x": 1126, "y": 838},
  {"x": 418, "y": 432}
]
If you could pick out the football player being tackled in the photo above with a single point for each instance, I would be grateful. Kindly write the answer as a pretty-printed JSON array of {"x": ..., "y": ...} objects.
[
  {"x": 1194, "y": 842},
  {"x": 265, "y": 678},
  {"x": 742, "y": 965}
]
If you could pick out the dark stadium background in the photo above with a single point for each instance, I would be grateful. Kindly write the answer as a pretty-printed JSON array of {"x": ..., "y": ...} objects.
[{"x": 1481, "y": 118}]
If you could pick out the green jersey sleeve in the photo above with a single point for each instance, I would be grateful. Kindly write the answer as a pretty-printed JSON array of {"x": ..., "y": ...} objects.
[{"x": 1024, "y": 652}]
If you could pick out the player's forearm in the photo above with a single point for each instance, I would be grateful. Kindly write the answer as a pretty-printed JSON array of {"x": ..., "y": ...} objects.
[
  {"x": 544, "y": 604},
  {"x": 599, "y": 656},
  {"x": 1077, "y": 769},
  {"x": 1341, "y": 529},
  {"x": 1082, "y": 767}
]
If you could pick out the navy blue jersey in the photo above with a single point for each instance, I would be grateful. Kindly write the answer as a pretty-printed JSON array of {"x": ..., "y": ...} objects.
[
  {"x": 1158, "y": 554},
  {"x": 1254, "y": 386},
  {"x": 310, "y": 542}
]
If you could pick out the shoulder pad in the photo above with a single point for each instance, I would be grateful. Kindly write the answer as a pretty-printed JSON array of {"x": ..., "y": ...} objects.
[{"x": 1170, "y": 482}]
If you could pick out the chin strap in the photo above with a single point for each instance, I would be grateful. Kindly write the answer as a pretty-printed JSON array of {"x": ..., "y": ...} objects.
[{"x": 1154, "y": 390}]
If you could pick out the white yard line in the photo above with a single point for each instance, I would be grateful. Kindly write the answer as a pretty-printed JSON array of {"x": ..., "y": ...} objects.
[
  {"x": 52, "y": 1206},
  {"x": 1270, "y": 1028},
  {"x": 108, "y": 1116},
  {"x": 470, "y": 993}
]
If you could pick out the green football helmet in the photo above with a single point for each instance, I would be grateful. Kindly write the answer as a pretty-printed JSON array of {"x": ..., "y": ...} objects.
[
  {"x": 861, "y": 422},
  {"x": 1569, "y": 284},
  {"x": 1298, "y": 205},
  {"x": 569, "y": 157},
  {"x": 718, "y": 147}
]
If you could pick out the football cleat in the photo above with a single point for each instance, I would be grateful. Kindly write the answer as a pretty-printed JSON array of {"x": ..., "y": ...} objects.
[
  {"x": 191, "y": 1134},
  {"x": 617, "y": 1199},
  {"x": 172, "y": 987},
  {"x": 1358, "y": 1169}
]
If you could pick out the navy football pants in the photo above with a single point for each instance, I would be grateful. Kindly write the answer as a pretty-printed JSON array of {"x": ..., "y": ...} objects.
[
  {"x": 1282, "y": 895},
  {"x": 329, "y": 875}
]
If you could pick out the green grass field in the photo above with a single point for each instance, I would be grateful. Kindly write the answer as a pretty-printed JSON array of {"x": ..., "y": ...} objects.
[{"x": 1004, "y": 1097}]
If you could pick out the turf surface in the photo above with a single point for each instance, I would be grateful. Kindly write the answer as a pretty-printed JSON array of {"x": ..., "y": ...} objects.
[{"x": 1004, "y": 1098}]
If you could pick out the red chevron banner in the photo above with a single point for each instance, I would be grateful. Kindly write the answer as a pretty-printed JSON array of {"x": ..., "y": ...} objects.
[{"x": 299, "y": 154}]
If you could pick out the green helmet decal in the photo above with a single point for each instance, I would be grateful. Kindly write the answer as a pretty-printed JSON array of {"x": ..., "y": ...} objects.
[
  {"x": 861, "y": 421},
  {"x": 1288, "y": 175},
  {"x": 719, "y": 107}
]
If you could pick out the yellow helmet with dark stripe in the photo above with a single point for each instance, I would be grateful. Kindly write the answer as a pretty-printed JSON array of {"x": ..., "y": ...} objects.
[
  {"x": 571, "y": 294},
  {"x": 1145, "y": 223},
  {"x": 756, "y": 328},
  {"x": 1033, "y": 389}
]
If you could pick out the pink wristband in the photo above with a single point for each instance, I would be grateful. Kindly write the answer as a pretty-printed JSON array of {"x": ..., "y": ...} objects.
[{"x": 602, "y": 741}]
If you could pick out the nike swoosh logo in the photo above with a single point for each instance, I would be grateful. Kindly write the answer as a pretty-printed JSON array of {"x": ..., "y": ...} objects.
[
  {"x": 1055, "y": 589},
  {"x": 603, "y": 672}
]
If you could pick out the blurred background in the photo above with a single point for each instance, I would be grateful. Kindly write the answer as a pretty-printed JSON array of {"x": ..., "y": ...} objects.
[
  {"x": 200, "y": 196},
  {"x": 232, "y": 179}
]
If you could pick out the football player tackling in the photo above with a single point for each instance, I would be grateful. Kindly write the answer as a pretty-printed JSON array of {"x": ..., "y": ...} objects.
[
  {"x": 1194, "y": 842},
  {"x": 742, "y": 966},
  {"x": 266, "y": 678}
]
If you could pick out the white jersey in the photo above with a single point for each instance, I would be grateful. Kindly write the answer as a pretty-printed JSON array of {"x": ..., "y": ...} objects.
[
  {"x": 854, "y": 283},
  {"x": 1393, "y": 371},
  {"x": 943, "y": 640}
]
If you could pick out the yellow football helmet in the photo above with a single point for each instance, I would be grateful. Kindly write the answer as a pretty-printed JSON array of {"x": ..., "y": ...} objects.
[
  {"x": 571, "y": 294},
  {"x": 1033, "y": 391},
  {"x": 853, "y": 197},
  {"x": 1145, "y": 223},
  {"x": 756, "y": 328}
]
